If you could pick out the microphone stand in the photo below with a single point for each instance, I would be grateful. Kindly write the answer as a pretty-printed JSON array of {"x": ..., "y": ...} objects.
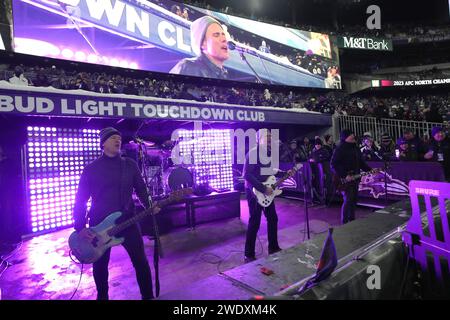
[
  {"x": 385, "y": 168},
  {"x": 305, "y": 201},
  {"x": 250, "y": 66},
  {"x": 158, "y": 252},
  {"x": 158, "y": 248}
]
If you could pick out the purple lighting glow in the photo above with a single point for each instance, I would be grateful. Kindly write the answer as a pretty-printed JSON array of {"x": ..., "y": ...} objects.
[
  {"x": 209, "y": 152},
  {"x": 53, "y": 173}
]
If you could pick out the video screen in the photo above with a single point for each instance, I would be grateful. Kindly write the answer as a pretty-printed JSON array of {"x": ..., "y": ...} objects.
[
  {"x": 170, "y": 37},
  {"x": 5, "y": 25}
]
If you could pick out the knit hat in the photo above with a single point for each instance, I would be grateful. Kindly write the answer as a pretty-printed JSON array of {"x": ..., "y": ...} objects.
[
  {"x": 436, "y": 130},
  {"x": 385, "y": 138},
  {"x": 198, "y": 31},
  {"x": 345, "y": 134},
  {"x": 106, "y": 133}
]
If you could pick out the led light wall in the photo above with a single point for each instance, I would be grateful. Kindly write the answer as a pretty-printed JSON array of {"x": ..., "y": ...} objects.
[
  {"x": 55, "y": 158},
  {"x": 210, "y": 157}
]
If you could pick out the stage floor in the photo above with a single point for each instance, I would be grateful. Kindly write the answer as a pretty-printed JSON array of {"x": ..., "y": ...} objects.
[{"x": 42, "y": 269}]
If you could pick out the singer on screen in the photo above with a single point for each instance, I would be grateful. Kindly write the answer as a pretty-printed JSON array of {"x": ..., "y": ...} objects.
[{"x": 209, "y": 43}]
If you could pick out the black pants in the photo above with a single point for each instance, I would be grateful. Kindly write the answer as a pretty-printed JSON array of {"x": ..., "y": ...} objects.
[
  {"x": 350, "y": 195},
  {"x": 255, "y": 221},
  {"x": 134, "y": 245}
]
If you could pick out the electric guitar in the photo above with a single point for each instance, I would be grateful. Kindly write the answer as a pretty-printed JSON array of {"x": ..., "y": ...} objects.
[
  {"x": 105, "y": 233},
  {"x": 265, "y": 200},
  {"x": 341, "y": 183}
]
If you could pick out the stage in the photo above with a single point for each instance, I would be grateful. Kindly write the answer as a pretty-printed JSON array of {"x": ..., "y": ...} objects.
[{"x": 42, "y": 269}]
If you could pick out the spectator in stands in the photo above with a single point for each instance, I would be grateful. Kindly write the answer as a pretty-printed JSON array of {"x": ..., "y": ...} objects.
[
  {"x": 432, "y": 113},
  {"x": 209, "y": 43},
  {"x": 177, "y": 10},
  {"x": 19, "y": 78},
  {"x": 185, "y": 14},
  {"x": 387, "y": 146},
  {"x": 264, "y": 47},
  {"x": 81, "y": 83},
  {"x": 439, "y": 150},
  {"x": 41, "y": 79},
  {"x": 291, "y": 153},
  {"x": 405, "y": 153},
  {"x": 112, "y": 87},
  {"x": 101, "y": 86},
  {"x": 131, "y": 88},
  {"x": 329, "y": 143},
  {"x": 319, "y": 154},
  {"x": 71, "y": 85},
  {"x": 369, "y": 151},
  {"x": 305, "y": 149},
  {"x": 416, "y": 147}
]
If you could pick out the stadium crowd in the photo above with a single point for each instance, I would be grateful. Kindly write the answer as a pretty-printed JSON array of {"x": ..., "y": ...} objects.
[{"x": 416, "y": 107}]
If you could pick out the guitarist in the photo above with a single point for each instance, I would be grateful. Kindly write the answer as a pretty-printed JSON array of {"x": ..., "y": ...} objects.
[
  {"x": 346, "y": 160},
  {"x": 254, "y": 179},
  {"x": 109, "y": 182}
]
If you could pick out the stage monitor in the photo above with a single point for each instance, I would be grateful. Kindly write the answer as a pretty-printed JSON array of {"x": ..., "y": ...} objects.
[{"x": 171, "y": 37}]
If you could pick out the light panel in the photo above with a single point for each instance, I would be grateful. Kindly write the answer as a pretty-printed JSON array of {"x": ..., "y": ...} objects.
[
  {"x": 210, "y": 157},
  {"x": 55, "y": 160}
]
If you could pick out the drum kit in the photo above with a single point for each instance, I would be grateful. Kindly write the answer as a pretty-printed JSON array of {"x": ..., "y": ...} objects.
[{"x": 158, "y": 170}]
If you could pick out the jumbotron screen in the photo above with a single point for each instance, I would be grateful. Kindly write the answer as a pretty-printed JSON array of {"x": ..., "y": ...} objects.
[{"x": 170, "y": 37}]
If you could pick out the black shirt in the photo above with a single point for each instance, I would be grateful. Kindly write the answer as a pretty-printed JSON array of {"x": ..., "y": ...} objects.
[
  {"x": 109, "y": 183},
  {"x": 252, "y": 171},
  {"x": 441, "y": 154},
  {"x": 347, "y": 159},
  {"x": 320, "y": 155}
]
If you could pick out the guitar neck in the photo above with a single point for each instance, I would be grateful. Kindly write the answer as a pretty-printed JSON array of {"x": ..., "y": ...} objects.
[
  {"x": 281, "y": 180},
  {"x": 362, "y": 174},
  {"x": 129, "y": 222}
]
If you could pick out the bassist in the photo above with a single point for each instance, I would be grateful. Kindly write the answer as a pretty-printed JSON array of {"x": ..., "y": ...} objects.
[
  {"x": 109, "y": 182},
  {"x": 347, "y": 160}
]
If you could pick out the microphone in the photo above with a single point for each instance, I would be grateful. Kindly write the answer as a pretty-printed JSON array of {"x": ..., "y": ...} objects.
[{"x": 234, "y": 46}]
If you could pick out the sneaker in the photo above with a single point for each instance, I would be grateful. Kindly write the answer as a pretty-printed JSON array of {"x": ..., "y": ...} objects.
[{"x": 249, "y": 259}]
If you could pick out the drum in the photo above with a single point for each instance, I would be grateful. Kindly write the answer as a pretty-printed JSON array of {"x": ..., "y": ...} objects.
[{"x": 176, "y": 178}]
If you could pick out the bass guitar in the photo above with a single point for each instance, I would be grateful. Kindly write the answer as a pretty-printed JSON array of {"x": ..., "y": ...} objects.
[{"x": 89, "y": 251}]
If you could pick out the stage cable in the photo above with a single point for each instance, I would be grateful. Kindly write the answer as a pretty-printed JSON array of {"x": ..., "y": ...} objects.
[
  {"x": 81, "y": 274},
  {"x": 4, "y": 260}
]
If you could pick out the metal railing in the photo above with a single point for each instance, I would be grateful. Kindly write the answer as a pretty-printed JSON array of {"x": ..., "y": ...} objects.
[{"x": 359, "y": 125}]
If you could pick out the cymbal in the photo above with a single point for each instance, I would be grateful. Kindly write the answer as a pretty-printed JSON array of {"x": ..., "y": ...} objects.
[{"x": 133, "y": 145}]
